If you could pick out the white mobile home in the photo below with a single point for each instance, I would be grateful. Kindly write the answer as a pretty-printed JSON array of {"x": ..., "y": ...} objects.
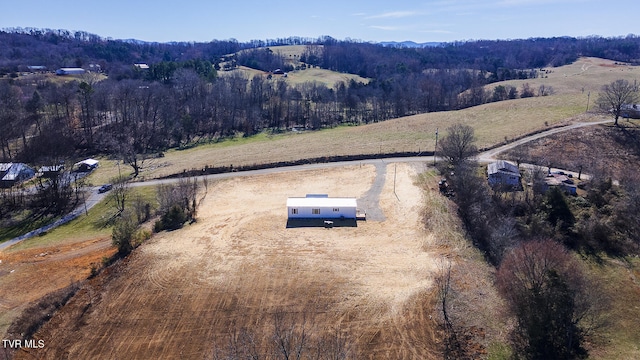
[{"x": 321, "y": 207}]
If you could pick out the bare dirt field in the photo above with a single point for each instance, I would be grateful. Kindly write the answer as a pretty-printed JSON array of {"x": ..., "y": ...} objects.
[
  {"x": 28, "y": 275},
  {"x": 182, "y": 293}
]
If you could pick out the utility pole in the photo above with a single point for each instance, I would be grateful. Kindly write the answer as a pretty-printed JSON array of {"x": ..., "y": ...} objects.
[
  {"x": 588, "y": 97},
  {"x": 435, "y": 148}
]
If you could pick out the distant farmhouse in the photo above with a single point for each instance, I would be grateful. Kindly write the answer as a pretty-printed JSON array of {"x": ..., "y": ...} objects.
[
  {"x": 70, "y": 71},
  {"x": 37, "y": 68},
  {"x": 562, "y": 181},
  {"x": 503, "y": 173},
  {"x": 12, "y": 174},
  {"x": 321, "y": 206},
  {"x": 86, "y": 165},
  {"x": 50, "y": 171}
]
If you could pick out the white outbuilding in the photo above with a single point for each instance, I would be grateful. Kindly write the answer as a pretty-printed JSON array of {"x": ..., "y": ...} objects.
[
  {"x": 70, "y": 71},
  {"x": 321, "y": 206},
  {"x": 86, "y": 165}
]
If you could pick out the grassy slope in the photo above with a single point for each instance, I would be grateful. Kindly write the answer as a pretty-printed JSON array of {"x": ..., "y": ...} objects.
[
  {"x": 619, "y": 281},
  {"x": 493, "y": 122},
  {"x": 96, "y": 223},
  {"x": 292, "y": 55}
]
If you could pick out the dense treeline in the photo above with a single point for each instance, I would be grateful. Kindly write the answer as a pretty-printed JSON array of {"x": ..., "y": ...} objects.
[
  {"x": 63, "y": 48},
  {"x": 20, "y": 48}
]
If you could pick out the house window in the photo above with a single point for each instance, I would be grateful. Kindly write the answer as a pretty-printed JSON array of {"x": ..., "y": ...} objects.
[
  {"x": 294, "y": 211},
  {"x": 315, "y": 211},
  {"x": 336, "y": 210}
]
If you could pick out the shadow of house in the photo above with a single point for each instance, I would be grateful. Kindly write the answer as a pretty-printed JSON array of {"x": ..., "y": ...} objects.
[
  {"x": 307, "y": 223},
  {"x": 12, "y": 174}
]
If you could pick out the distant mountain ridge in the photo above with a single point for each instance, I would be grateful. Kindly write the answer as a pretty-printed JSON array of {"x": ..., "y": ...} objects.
[{"x": 410, "y": 44}]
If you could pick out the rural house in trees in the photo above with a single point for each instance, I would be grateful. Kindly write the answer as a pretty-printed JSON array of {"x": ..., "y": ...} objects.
[
  {"x": 630, "y": 111},
  {"x": 14, "y": 173},
  {"x": 503, "y": 173},
  {"x": 50, "y": 171},
  {"x": 321, "y": 206},
  {"x": 86, "y": 165},
  {"x": 562, "y": 181}
]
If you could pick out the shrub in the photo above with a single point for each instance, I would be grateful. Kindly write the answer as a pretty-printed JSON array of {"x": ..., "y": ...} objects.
[
  {"x": 122, "y": 233},
  {"x": 174, "y": 218},
  {"x": 549, "y": 296}
]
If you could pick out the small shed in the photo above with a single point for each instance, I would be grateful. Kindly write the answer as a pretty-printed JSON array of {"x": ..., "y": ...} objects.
[
  {"x": 86, "y": 165},
  {"x": 503, "y": 173},
  {"x": 321, "y": 206}
]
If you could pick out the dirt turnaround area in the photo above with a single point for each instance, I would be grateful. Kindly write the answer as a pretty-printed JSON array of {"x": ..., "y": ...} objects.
[{"x": 183, "y": 293}]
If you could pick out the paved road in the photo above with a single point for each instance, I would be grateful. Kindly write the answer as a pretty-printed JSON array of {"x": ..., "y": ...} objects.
[
  {"x": 485, "y": 157},
  {"x": 490, "y": 155}
]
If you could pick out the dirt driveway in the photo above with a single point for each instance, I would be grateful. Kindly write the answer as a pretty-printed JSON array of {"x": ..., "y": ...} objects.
[{"x": 180, "y": 293}]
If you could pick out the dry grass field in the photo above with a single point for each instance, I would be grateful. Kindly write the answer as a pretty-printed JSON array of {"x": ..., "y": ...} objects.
[
  {"x": 180, "y": 293},
  {"x": 28, "y": 275}
]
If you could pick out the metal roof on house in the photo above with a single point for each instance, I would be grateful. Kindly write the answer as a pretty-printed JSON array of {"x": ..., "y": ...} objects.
[
  {"x": 14, "y": 171},
  {"x": 502, "y": 166},
  {"x": 321, "y": 202},
  {"x": 88, "y": 162}
]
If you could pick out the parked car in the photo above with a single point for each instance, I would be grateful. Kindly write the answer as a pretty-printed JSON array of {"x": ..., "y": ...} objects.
[{"x": 104, "y": 188}]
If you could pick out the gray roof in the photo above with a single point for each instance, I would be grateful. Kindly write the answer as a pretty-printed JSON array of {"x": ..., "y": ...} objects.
[
  {"x": 14, "y": 171},
  {"x": 502, "y": 166}
]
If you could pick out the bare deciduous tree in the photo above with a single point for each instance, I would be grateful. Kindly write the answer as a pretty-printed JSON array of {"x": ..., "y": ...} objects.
[
  {"x": 458, "y": 145},
  {"x": 119, "y": 193},
  {"x": 615, "y": 96}
]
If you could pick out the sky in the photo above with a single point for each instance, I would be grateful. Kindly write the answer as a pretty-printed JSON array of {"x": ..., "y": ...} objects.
[{"x": 370, "y": 20}]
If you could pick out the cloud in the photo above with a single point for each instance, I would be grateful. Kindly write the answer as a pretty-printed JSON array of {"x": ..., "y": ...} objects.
[
  {"x": 386, "y": 28},
  {"x": 513, "y": 3},
  {"x": 393, "y": 15}
]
